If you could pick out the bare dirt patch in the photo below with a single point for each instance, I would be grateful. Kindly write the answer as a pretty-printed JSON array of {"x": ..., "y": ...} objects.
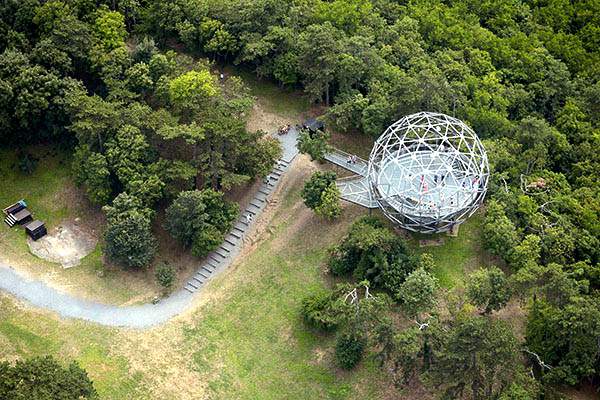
[
  {"x": 66, "y": 244},
  {"x": 261, "y": 119}
]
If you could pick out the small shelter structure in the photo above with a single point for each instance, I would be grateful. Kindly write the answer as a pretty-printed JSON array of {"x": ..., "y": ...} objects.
[
  {"x": 313, "y": 125},
  {"x": 22, "y": 217},
  {"x": 36, "y": 229}
]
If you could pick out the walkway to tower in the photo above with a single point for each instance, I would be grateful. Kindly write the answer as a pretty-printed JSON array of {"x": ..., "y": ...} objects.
[{"x": 354, "y": 189}]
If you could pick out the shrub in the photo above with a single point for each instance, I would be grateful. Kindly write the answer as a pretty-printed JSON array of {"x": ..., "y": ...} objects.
[
  {"x": 208, "y": 239},
  {"x": 372, "y": 252},
  {"x": 199, "y": 219},
  {"x": 330, "y": 207},
  {"x": 320, "y": 310},
  {"x": 315, "y": 144},
  {"x": 417, "y": 293},
  {"x": 165, "y": 275},
  {"x": 313, "y": 190},
  {"x": 488, "y": 289},
  {"x": 349, "y": 349},
  {"x": 129, "y": 241}
]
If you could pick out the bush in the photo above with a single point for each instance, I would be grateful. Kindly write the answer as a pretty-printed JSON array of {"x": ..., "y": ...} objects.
[
  {"x": 199, "y": 219},
  {"x": 372, "y": 252},
  {"x": 208, "y": 239},
  {"x": 488, "y": 289},
  {"x": 315, "y": 144},
  {"x": 43, "y": 378},
  {"x": 320, "y": 310},
  {"x": 329, "y": 207},
  {"x": 313, "y": 190},
  {"x": 417, "y": 293},
  {"x": 349, "y": 349},
  {"x": 129, "y": 241},
  {"x": 165, "y": 276}
]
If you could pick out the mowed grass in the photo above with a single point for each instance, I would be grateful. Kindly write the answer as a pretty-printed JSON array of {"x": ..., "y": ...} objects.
[
  {"x": 247, "y": 341},
  {"x": 252, "y": 343},
  {"x": 41, "y": 190},
  {"x": 25, "y": 333},
  {"x": 283, "y": 101},
  {"x": 52, "y": 197},
  {"x": 457, "y": 256}
]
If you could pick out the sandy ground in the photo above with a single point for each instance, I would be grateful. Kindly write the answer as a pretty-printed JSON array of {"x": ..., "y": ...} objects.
[
  {"x": 66, "y": 244},
  {"x": 261, "y": 119}
]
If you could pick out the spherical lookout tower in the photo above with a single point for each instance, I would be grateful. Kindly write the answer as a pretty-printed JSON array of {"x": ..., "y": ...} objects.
[{"x": 428, "y": 172}]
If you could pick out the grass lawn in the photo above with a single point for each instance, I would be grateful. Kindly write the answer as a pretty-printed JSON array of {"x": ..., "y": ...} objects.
[
  {"x": 244, "y": 341},
  {"x": 458, "y": 256},
  {"x": 52, "y": 197}
]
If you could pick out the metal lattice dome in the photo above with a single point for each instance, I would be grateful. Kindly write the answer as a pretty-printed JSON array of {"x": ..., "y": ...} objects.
[{"x": 428, "y": 172}]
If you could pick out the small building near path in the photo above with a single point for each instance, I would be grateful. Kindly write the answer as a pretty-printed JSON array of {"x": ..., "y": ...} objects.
[{"x": 36, "y": 229}]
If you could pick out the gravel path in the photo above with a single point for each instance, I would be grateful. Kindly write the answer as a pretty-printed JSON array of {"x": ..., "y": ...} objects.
[{"x": 142, "y": 316}]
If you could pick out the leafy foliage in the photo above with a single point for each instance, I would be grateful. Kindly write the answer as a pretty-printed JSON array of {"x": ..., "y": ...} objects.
[
  {"x": 488, "y": 289},
  {"x": 374, "y": 253},
  {"x": 417, "y": 292},
  {"x": 165, "y": 275},
  {"x": 199, "y": 219},
  {"x": 349, "y": 349},
  {"x": 315, "y": 144},
  {"x": 43, "y": 378},
  {"x": 314, "y": 188}
]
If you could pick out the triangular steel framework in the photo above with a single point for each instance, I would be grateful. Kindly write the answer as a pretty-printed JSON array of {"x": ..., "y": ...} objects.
[{"x": 428, "y": 172}]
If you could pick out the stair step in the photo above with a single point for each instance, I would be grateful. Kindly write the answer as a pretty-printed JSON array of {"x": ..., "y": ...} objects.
[
  {"x": 213, "y": 264},
  {"x": 203, "y": 275},
  {"x": 231, "y": 242},
  {"x": 235, "y": 234},
  {"x": 194, "y": 285},
  {"x": 200, "y": 281},
  {"x": 208, "y": 269},
  {"x": 266, "y": 193},
  {"x": 276, "y": 172},
  {"x": 191, "y": 290},
  {"x": 214, "y": 260},
  {"x": 252, "y": 203},
  {"x": 227, "y": 247},
  {"x": 221, "y": 254}
]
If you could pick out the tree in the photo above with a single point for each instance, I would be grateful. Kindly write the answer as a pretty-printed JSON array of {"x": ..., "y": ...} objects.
[
  {"x": 129, "y": 241},
  {"x": 165, "y": 275},
  {"x": 476, "y": 357},
  {"x": 373, "y": 252},
  {"x": 314, "y": 144},
  {"x": 315, "y": 187},
  {"x": 417, "y": 292},
  {"x": 329, "y": 207},
  {"x": 128, "y": 236},
  {"x": 109, "y": 29},
  {"x": 566, "y": 338},
  {"x": 499, "y": 232},
  {"x": 191, "y": 90},
  {"x": 91, "y": 171},
  {"x": 44, "y": 379},
  {"x": 488, "y": 288},
  {"x": 349, "y": 349},
  {"x": 319, "y": 48},
  {"x": 199, "y": 219}
]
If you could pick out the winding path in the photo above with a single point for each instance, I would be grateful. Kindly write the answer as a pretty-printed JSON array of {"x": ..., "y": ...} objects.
[{"x": 41, "y": 295}]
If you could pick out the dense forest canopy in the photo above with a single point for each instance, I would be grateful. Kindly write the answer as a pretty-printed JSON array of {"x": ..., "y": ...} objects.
[{"x": 103, "y": 77}]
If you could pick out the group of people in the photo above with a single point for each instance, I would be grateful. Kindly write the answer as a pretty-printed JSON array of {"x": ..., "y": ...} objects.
[
  {"x": 284, "y": 129},
  {"x": 351, "y": 159}
]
